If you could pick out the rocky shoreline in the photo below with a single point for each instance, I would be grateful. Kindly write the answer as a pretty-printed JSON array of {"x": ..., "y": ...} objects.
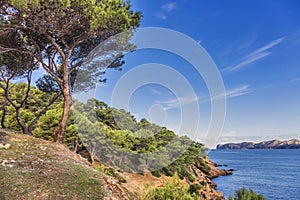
[
  {"x": 215, "y": 171},
  {"x": 209, "y": 191}
]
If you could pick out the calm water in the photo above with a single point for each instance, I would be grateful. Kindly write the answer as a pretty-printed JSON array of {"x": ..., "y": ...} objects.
[{"x": 273, "y": 173}]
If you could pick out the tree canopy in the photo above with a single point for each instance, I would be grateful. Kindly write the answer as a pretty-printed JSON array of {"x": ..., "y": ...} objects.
[
  {"x": 92, "y": 126},
  {"x": 60, "y": 34}
]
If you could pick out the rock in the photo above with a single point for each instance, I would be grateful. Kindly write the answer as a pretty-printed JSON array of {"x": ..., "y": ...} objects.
[
  {"x": 4, "y": 162},
  {"x": 8, "y": 162},
  {"x": 214, "y": 171},
  {"x": 43, "y": 148},
  {"x": 5, "y": 146},
  {"x": 209, "y": 191}
]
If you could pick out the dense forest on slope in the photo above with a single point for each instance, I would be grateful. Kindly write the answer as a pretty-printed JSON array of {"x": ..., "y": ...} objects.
[{"x": 107, "y": 133}]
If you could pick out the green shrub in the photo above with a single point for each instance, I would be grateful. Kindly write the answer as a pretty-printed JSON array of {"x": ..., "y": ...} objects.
[
  {"x": 203, "y": 183},
  {"x": 194, "y": 188},
  {"x": 99, "y": 168},
  {"x": 245, "y": 194},
  {"x": 190, "y": 177},
  {"x": 204, "y": 167},
  {"x": 156, "y": 173},
  {"x": 173, "y": 190},
  {"x": 112, "y": 172}
]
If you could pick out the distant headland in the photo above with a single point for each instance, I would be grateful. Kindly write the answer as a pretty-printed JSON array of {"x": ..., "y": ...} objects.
[{"x": 271, "y": 144}]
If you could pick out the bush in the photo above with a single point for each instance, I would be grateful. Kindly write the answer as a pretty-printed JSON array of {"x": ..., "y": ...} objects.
[
  {"x": 194, "y": 188},
  {"x": 203, "y": 183},
  {"x": 156, "y": 173},
  {"x": 204, "y": 167},
  {"x": 245, "y": 194},
  {"x": 99, "y": 167},
  {"x": 112, "y": 172},
  {"x": 174, "y": 190},
  {"x": 183, "y": 173}
]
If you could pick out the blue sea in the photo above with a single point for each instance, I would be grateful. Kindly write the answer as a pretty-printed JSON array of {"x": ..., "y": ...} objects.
[{"x": 272, "y": 173}]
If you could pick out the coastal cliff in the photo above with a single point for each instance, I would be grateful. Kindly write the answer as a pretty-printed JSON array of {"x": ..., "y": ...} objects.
[
  {"x": 210, "y": 192},
  {"x": 207, "y": 192},
  {"x": 271, "y": 144}
]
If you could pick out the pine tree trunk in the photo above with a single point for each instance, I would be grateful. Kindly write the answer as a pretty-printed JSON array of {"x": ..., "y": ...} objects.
[
  {"x": 25, "y": 130},
  {"x": 4, "y": 114},
  {"x": 59, "y": 132},
  {"x": 23, "y": 126}
]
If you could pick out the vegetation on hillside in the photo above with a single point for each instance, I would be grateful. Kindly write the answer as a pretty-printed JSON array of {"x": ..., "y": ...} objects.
[
  {"x": 244, "y": 194},
  {"x": 174, "y": 189},
  {"x": 106, "y": 124},
  {"x": 94, "y": 126}
]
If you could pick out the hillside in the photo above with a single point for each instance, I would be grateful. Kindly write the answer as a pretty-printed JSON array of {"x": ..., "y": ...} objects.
[
  {"x": 130, "y": 151},
  {"x": 271, "y": 144},
  {"x": 33, "y": 168}
]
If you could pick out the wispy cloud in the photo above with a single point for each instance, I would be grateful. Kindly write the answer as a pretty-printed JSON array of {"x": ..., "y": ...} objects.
[
  {"x": 255, "y": 55},
  {"x": 295, "y": 80},
  {"x": 168, "y": 7},
  {"x": 190, "y": 99},
  {"x": 234, "y": 92},
  {"x": 266, "y": 47},
  {"x": 238, "y": 91},
  {"x": 179, "y": 101},
  {"x": 294, "y": 38},
  {"x": 155, "y": 91},
  {"x": 164, "y": 9},
  {"x": 247, "y": 61},
  {"x": 161, "y": 16}
]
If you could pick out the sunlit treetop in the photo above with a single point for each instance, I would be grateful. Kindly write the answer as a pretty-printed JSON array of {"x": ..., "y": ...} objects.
[{"x": 104, "y": 13}]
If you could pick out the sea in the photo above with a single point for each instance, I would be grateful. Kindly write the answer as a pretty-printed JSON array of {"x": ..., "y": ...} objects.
[{"x": 274, "y": 173}]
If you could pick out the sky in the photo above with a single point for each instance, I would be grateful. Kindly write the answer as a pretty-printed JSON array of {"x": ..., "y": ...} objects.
[{"x": 255, "y": 46}]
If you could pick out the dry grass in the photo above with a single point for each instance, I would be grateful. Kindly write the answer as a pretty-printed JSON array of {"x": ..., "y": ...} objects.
[{"x": 36, "y": 169}]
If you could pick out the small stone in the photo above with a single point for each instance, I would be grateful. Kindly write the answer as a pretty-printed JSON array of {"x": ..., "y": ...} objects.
[
  {"x": 4, "y": 162},
  {"x": 43, "y": 148},
  {"x": 4, "y": 146},
  {"x": 8, "y": 163}
]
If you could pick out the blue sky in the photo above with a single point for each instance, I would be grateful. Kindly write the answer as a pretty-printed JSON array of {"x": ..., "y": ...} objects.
[{"x": 256, "y": 47}]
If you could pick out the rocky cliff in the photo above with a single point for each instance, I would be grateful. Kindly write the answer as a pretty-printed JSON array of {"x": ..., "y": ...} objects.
[
  {"x": 271, "y": 144},
  {"x": 207, "y": 192}
]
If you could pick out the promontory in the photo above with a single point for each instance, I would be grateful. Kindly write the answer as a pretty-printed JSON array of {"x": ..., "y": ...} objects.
[{"x": 271, "y": 144}]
